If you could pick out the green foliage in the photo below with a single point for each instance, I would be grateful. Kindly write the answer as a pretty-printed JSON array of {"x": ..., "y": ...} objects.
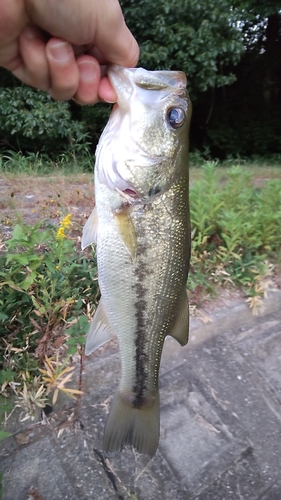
[
  {"x": 31, "y": 120},
  {"x": 231, "y": 53},
  {"x": 42, "y": 164},
  {"x": 45, "y": 287},
  {"x": 199, "y": 38},
  {"x": 236, "y": 229},
  {"x": 95, "y": 118},
  {"x": 5, "y": 408}
]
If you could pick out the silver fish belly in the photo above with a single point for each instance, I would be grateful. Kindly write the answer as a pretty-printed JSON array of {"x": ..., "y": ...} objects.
[{"x": 142, "y": 231}]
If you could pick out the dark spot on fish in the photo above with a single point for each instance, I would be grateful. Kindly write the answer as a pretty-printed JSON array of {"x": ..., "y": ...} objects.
[
  {"x": 154, "y": 191},
  {"x": 139, "y": 389}
]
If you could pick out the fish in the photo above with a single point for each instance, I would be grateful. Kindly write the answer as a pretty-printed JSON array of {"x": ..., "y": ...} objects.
[{"x": 141, "y": 228}]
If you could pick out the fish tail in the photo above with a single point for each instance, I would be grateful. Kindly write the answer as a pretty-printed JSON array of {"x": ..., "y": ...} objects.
[{"x": 126, "y": 425}]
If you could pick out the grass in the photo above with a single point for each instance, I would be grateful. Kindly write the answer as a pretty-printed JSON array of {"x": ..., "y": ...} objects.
[
  {"x": 236, "y": 232},
  {"x": 32, "y": 188},
  {"x": 39, "y": 164},
  {"x": 48, "y": 288}
]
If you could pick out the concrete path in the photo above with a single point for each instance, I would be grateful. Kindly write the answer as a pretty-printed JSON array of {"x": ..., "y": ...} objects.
[{"x": 220, "y": 423}]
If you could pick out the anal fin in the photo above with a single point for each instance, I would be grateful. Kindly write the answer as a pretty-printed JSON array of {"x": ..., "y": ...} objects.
[
  {"x": 180, "y": 331},
  {"x": 99, "y": 332}
]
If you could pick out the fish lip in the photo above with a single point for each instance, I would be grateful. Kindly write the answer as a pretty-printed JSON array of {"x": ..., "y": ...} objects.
[
  {"x": 121, "y": 81},
  {"x": 125, "y": 79}
]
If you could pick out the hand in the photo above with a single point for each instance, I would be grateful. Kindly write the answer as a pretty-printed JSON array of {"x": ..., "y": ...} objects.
[{"x": 61, "y": 46}]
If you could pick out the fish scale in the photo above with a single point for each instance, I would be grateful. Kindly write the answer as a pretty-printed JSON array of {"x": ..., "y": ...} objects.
[{"x": 142, "y": 231}]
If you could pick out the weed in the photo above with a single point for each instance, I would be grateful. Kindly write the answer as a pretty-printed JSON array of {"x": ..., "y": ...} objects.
[
  {"x": 5, "y": 408},
  {"x": 73, "y": 160},
  {"x": 236, "y": 231},
  {"x": 56, "y": 374},
  {"x": 31, "y": 398},
  {"x": 47, "y": 294}
]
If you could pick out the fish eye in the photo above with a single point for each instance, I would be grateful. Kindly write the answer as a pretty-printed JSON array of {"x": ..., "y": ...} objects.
[{"x": 176, "y": 117}]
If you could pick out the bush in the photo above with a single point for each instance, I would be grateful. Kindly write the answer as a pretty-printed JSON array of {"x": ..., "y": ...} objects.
[
  {"x": 95, "y": 118},
  {"x": 31, "y": 121}
]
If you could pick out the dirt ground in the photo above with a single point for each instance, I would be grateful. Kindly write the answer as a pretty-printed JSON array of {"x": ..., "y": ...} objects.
[{"x": 30, "y": 199}]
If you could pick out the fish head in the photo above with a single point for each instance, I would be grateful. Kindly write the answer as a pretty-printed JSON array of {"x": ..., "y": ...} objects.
[{"x": 144, "y": 146}]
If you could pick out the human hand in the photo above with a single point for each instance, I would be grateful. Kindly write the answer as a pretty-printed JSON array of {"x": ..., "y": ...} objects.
[{"x": 62, "y": 46}]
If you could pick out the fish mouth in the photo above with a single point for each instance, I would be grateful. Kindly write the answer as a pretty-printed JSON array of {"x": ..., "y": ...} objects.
[
  {"x": 130, "y": 192},
  {"x": 125, "y": 79},
  {"x": 130, "y": 195}
]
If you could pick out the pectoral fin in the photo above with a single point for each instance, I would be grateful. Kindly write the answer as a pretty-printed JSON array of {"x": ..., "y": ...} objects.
[
  {"x": 180, "y": 330},
  {"x": 127, "y": 232},
  {"x": 89, "y": 234},
  {"x": 100, "y": 332}
]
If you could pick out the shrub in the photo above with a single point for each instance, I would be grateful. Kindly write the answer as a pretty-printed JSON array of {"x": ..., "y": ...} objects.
[{"x": 30, "y": 120}]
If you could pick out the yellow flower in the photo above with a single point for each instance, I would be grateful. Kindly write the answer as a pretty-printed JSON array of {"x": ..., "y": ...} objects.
[
  {"x": 65, "y": 224},
  {"x": 60, "y": 234}
]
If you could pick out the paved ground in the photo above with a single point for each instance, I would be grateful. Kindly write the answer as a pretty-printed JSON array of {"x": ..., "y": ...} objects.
[{"x": 220, "y": 423}]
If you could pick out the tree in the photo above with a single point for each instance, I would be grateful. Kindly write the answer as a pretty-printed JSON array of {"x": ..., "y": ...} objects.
[
  {"x": 198, "y": 37},
  {"x": 246, "y": 118},
  {"x": 261, "y": 29}
]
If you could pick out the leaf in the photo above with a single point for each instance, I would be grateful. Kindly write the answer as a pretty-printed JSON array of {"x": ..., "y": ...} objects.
[
  {"x": 28, "y": 281},
  {"x": 76, "y": 340},
  {"x": 20, "y": 258},
  {"x": 4, "y": 435},
  {"x": 39, "y": 307},
  {"x": 19, "y": 234},
  {"x": 12, "y": 285},
  {"x": 72, "y": 350}
]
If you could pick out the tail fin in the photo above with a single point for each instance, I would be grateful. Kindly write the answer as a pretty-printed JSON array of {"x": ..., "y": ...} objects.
[{"x": 126, "y": 425}]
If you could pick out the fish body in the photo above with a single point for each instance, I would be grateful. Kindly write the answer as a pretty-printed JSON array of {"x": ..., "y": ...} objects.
[{"x": 142, "y": 231}]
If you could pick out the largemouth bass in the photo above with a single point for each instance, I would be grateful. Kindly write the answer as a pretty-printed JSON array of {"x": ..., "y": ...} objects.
[{"x": 141, "y": 227}]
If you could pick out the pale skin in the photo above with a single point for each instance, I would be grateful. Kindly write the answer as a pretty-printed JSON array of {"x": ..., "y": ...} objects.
[{"x": 62, "y": 46}]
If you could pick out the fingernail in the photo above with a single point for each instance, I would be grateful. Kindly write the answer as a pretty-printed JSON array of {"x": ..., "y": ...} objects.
[
  {"x": 87, "y": 70},
  {"x": 60, "y": 51},
  {"x": 110, "y": 100}
]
